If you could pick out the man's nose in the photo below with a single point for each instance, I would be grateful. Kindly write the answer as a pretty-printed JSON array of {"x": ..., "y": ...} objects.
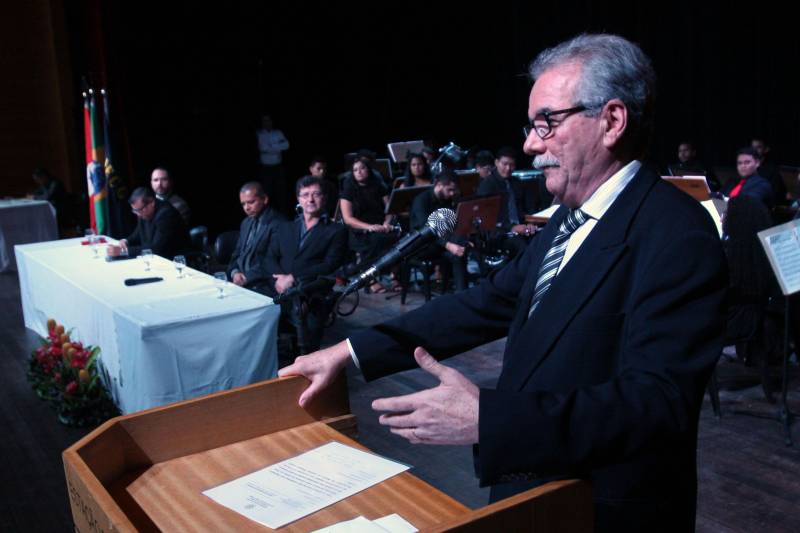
[{"x": 533, "y": 145}]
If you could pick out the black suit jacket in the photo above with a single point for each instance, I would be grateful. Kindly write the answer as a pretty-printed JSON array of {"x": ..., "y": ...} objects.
[
  {"x": 755, "y": 187},
  {"x": 606, "y": 381},
  {"x": 322, "y": 252},
  {"x": 269, "y": 219},
  {"x": 165, "y": 233}
]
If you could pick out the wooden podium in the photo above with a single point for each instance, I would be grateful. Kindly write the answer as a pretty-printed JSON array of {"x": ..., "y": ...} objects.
[{"x": 146, "y": 471}]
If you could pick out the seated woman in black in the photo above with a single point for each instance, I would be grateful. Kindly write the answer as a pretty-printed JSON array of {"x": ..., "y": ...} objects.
[
  {"x": 363, "y": 203},
  {"x": 418, "y": 172}
]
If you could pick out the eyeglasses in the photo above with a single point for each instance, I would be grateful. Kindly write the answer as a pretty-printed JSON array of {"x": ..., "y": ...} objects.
[
  {"x": 138, "y": 210},
  {"x": 307, "y": 195},
  {"x": 543, "y": 125}
]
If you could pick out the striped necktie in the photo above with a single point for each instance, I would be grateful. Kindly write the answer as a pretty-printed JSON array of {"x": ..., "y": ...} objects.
[{"x": 554, "y": 255}]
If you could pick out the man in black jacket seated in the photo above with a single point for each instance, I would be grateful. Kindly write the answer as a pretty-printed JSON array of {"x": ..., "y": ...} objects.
[
  {"x": 301, "y": 251},
  {"x": 245, "y": 267},
  {"x": 453, "y": 249},
  {"x": 160, "y": 227},
  {"x": 512, "y": 231}
]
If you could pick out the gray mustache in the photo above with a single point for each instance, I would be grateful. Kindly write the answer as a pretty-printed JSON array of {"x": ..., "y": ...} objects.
[{"x": 543, "y": 161}]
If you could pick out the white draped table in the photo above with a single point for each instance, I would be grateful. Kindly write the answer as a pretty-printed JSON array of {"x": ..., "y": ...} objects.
[
  {"x": 161, "y": 342},
  {"x": 23, "y": 222}
]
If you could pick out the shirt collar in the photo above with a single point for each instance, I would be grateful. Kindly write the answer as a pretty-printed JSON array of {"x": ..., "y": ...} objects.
[{"x": 599, "y": 202}]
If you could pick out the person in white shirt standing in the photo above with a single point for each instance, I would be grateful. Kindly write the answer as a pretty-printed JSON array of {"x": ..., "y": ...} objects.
[{"x": 271, "y": 145}]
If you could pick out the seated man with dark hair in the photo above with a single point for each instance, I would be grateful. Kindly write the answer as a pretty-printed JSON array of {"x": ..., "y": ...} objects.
[
  {"x": 750, "y": 183},
  {"x": 162, "y": 183},
  {"x": 511, "y": 227},
  {"x": 255, "y": 234},
  {"x": 484, "y": 163},
  {"x": 301, "y": 251},
  {"x": 318, "y": 167},
  {"x": 689, "y": 165},
  {"x": 769, "y": 171},
  {"x": 453, "y": 249},
  {"x": 160, "y": 227}
]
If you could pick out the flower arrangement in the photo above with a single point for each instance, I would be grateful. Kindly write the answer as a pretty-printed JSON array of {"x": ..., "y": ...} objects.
[{"x": 65, "y": 373}]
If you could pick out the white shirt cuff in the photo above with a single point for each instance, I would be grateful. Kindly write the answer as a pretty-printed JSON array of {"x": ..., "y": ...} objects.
[{"x": 353, "y": 354}]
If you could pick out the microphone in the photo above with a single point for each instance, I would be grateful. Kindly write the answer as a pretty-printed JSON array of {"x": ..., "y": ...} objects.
[{"x": 440, "y": 224}]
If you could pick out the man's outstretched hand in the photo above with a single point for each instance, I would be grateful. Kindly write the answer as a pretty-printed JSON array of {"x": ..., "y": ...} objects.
[
  {"x": 321, "y": 368},
  {"x": 446, "y": 414}
]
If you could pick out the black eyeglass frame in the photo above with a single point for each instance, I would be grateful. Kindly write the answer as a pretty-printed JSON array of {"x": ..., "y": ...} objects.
[{"x": 547, "y": 115}]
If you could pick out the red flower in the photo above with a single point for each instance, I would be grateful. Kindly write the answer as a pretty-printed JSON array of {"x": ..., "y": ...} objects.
[
  {"x": 57, "y": 377},
  {"x": 72, "y": 388}
]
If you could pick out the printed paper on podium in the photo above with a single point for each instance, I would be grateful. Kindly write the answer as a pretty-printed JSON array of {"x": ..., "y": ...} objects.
[
  {"x": 287, "y": 491},
  {"x": 782, "y": 245}
]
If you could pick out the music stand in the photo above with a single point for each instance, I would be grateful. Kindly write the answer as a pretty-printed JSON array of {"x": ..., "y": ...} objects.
[
  {"x": 400, "y": 150},
  {"x": 477, "y": 214},
  {"x": 782, "y": 245},
  {"x": 401, "y": 199},
  {"x": 468, "y": 181},
  {"x": 694, "y": 186}
]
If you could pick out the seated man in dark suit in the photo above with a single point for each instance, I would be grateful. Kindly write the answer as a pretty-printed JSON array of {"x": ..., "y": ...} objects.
[
  {"x": 511, "y": 227},
  {"x": 160, "y": 228},
  {"x": 453, "y": 249},
  {"x": 750, "y": 183},
  {"x": 301, "y": 251},
  {"x": 255, "y": 234},
  {"x": 610, "y": 340}
]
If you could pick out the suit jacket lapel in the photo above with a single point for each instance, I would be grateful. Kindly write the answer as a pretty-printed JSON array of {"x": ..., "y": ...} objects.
[{"x": 574, "y": 285}]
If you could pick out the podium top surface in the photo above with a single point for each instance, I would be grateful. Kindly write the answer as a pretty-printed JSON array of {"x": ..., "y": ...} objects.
[{"x": 170, "y": 493}]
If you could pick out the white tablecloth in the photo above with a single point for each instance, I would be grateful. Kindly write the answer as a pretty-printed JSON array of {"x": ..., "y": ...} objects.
[
  {"x": 161, "y": 342},
  {"x": 22, "y": 222}
]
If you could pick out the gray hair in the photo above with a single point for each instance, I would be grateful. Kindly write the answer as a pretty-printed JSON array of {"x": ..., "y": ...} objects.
[{"x": 612, "y": 67}]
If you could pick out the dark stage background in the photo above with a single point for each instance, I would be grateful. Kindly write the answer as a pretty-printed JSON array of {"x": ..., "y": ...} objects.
[{"x": 189, "y": 81}]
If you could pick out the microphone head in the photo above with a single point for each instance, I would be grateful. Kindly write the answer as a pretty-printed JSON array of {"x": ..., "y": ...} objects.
[{"x": 442, "y": 222}]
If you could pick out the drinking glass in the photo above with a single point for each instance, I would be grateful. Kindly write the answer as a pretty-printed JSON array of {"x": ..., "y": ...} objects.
[
  {"x": 180, "y": 263},
  {"x": 220, "y": 280},
  {"x": 147, "y": 256}
]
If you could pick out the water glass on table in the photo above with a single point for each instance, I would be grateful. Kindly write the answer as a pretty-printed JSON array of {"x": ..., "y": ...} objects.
[
  {"x": 220, "y": 280},
  {"x": 180, "y": 263},
  {"x": 91, "y": 237},
  {"x": 147, "y": 256}
]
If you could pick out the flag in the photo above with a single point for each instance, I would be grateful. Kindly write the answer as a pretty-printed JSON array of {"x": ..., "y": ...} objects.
[
  {"x": 95, "y": 175},
  {"x": 118, "y": 214}
]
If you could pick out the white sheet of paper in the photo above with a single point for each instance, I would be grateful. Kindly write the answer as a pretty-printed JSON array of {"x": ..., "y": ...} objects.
[
  {"x": 287, "y": 491},
  {"x": 356, "y": 525},
  {"x": 782, "y": 244},
  {"x": 394, "y": 523}
]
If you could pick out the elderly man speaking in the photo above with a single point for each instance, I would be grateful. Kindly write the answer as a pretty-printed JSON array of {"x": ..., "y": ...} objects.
[{"x": 610, "y": 340}]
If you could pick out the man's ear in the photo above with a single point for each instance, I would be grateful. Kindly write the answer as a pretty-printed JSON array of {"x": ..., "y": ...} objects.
[{"x": 615, "y": 121}]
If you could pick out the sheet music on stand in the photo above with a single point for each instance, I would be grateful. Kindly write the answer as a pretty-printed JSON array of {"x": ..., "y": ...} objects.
[
  {"x": 400, "y": 150},
  {"x": 782, "y": 245}
]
